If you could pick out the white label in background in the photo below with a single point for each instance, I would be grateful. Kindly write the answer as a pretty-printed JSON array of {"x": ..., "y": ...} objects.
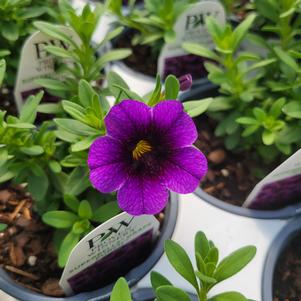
[
  {"x": 108, "y": 250},
  {"x": 190, "y": 27},
  {"x": 36, "y": 62},
  {"x": 279, "y": 188}
]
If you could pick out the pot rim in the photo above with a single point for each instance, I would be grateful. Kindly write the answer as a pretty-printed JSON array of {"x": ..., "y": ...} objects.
[
  {"x": 278, "y": 245},
  {"x": 283, "y": 213},
  {"x": 133, "y": 276}
]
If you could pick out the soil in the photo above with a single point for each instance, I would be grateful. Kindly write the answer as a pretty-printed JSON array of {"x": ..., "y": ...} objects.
[
  {"x": 287, "y": 275},
  {"x": 26, "y": 250},
  {"x": 142, "y": 59},
  {"x": 7, "y": 102},
  {"x": 230, "y": 177}
]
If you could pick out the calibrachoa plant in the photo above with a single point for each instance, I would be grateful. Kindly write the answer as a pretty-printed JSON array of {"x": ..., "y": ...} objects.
[
  {"x": 259, "y": 107},
  {"x": 52, "y": 159},
  {"x": 209, "y": 271},
  {"x": 147, "y": 150},
  {"x": 153, "y": 23},
  {"x": 16, "y": 24},
  {"x": 84, "y": 61}
]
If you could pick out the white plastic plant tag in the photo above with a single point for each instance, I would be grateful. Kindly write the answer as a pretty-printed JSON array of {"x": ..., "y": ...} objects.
[
  {"x": 280, "y": 188},
  {"x": 36, "y": 62},
  {"x": 108, "y": 252},
  {"x": 190, "y": 27}
]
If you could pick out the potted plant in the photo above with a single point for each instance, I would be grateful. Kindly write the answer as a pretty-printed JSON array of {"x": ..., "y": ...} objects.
[
  {"x": 209, "y": 272},
  {"x": 254, "y": 113},
  {"x": 148, "y": 30},
  {"x": 45, "y": 168},
  {"x": 16, "y": 25},
  {"x": 282, "y": 274}
]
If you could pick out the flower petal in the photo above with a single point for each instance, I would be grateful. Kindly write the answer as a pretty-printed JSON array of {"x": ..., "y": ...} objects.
[
  {"x": 109, "y": 177},
  {"x": 184, "y": 169},
  {"x": 176, "y": 125},
  {"x": 141, "y": 195},
  {"x": 104, "y": 150},
  {"x": 127, "y": 119},
  {"x": 107, "y": 170}
]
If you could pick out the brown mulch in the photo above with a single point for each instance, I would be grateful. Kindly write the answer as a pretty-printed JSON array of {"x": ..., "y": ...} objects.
[
  {"x": 287, "y": 275},
  {"x": 26, "y": 251}
]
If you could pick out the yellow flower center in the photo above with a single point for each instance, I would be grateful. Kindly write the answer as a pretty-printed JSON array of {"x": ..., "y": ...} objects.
[{"x": 141, "y": 148}]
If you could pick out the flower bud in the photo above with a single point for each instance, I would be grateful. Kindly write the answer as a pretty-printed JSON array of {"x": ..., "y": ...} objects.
[{"x": 185, "y": 82}]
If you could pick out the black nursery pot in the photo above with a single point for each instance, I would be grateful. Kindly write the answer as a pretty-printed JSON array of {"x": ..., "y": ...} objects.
[
  {"x": 210, "y": 90},
  {"x": 288, "y": 233},
  {"x": 103, "y": 293}
]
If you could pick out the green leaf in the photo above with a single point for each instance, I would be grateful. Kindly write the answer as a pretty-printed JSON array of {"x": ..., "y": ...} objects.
[
  {"x": 200, "y": 50},
  {"x": 247, "y": 121},
  {"x": 55, "y": 166},
  {"x": 76, "y": 127},
  {"x": 286, "y": 58},
  {"x": 228, "y": 296},
  {"x": 268, "y": 137},
  {"x": 34, "y": 150},
  {"x": 172, "y": 87},
  {"x": 81, "y": 226},
  {"x": 51, "y": 84},
  {"x": 58, "y": 51},
  {"x": 105, "y": 212},
  {"x": 50, "y": 108},
  {"x": 170, "y": 293},
  {"x": 2, "y": 70},
  {"x": 121, "y": 291},
  {"x": 78, "y": 181},
  {"x": 59, "y": 219},
  {"x": 82, "y": 145},
  {"x": 10, "y": 31},
  {"x": 155, "y": 96},
  {"x": 29, "y": 109},
  {"x": 71, "y": 202},
  {"x": 293, "y": 109},
  {"x": 38, "y": 183},
  {"x": 85, "y": 93},
  {"x": 158, "y": 280},
  {"x": 74, "y": 110},
  {"x": 21, "y": 125},
  {"x": 205, "y": 279},
  {"x": 234, "y": 262},
  {"x": 179, "y": 259},
  {"x": 201, "y": 244},
  {"x": 200, "y": 263},
  {"x": 54, "y": 31},
  {"x": 241, "y": 30},
  {"x": 2, "y": 227},
  {"x": 67, "y": 246},
  {"x": 85, "y": 210},
  {"x": 212, "y": 256},
  {"x": 195, "y": 108},
  {"x": 113, "y": 55}
]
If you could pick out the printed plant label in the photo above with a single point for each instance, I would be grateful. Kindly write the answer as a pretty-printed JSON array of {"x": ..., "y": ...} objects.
[
  {"x": 109, "y": 251},
  {"x": 190, "y": 27},
  {"x": 280, "y": 188},
  {"x": 36, "y": 62}
]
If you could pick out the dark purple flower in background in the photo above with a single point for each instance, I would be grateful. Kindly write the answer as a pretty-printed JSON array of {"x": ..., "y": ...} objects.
[
  {"x": 185, "y": 82},
  {"x": 146, "y": 152}
]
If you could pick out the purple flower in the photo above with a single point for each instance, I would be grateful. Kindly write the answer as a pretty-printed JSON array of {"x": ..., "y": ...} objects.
[
  {"x": 147, "y": 150},
  {"x": 185, "y": 82}
]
